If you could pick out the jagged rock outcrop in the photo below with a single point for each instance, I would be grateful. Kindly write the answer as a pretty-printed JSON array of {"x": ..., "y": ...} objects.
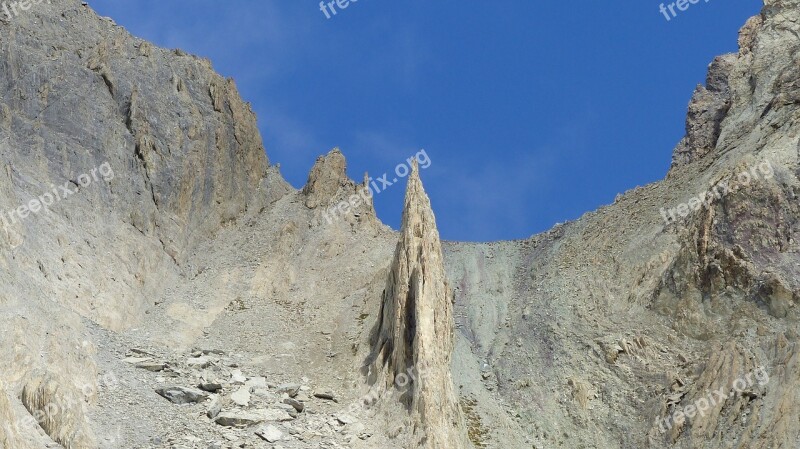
[
  {"x": 707, "y": 109},
  {"x": 326, "y": 178},
  {"x": 414, "y": 341},
  {"x": 335, "y": 196}
]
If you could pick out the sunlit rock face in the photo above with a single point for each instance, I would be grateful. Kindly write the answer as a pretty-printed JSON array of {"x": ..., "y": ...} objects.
[{"x": 415, "y": 338}]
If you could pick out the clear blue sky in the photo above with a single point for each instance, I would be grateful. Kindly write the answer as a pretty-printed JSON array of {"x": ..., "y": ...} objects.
[{"x": 532, "y": 112}]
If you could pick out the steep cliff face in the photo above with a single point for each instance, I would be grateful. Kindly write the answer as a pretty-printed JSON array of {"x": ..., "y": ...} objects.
[
  {"x": 139, "y": 145},
  {"x": 668, "y": 319},
  {"x": 734, "y": 280},
  {"x": 414, "y": 341},
  {"x": 707, "y": 109},
  {"x": 165, "y": 254},
  {"x": 117, "y": 159}
]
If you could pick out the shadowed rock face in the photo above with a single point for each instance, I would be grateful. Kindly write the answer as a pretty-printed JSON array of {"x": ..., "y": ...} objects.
[
  {"x": 181, "y": 158},
  {"x": 182, "y": 153},
  {"x": 415, "y": 336}
]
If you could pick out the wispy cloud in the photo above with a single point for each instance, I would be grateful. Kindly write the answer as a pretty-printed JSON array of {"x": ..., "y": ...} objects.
[
  {"x": 289, "y": 141},
  {"x": 229, "y": 35},
  {"x": 494, "y": 195},
  {"x": 382, "y": 146}
]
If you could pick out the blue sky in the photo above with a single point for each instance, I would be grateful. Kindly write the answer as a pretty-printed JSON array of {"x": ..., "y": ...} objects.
[{"x": 532, "y": 113}]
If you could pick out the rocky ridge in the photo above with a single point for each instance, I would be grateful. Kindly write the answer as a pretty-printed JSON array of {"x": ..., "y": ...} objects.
[{"x": 601, "y": 332}]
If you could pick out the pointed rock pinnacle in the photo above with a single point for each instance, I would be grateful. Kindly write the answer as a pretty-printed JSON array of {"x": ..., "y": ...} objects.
[{"x": 415, "y": 337}]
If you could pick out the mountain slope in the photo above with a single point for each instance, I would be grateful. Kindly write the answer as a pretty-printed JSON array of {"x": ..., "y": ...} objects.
[{"x": 176, "y": 259}]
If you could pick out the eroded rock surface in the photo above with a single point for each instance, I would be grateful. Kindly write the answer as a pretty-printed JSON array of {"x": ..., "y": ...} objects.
[{"x": 414, "y": 343}]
